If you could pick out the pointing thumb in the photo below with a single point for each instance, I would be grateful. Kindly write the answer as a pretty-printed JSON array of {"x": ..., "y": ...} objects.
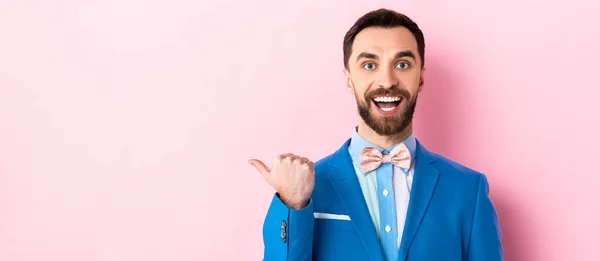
[{"x": 261, "y": 167}]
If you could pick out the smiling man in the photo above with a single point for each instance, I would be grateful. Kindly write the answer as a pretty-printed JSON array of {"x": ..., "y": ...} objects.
[{"x": 382, "y": 195}]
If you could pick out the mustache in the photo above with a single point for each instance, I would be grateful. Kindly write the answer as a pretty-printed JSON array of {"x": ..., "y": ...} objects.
[{"x": 393, "y": 91}]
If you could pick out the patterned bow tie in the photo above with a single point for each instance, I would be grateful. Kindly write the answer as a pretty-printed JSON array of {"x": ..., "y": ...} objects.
[{"x": 371, "y": 158}]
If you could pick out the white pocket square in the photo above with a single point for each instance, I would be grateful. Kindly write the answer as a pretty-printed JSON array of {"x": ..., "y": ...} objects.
[{"x": 331, "y": 216}]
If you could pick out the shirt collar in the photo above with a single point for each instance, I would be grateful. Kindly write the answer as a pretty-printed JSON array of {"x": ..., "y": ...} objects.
[{"x": 358, "y": 143}]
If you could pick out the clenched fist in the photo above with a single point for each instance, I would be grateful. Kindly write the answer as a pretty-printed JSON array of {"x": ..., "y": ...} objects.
[{"x": 293, "y": 177}]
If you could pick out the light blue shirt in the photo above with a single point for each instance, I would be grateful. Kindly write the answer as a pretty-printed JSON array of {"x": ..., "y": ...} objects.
[{"x": 386, "y": 191}]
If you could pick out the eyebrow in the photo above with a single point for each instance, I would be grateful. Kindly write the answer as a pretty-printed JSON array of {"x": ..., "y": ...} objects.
[
  {"x": 401, "y": 54},
  {"x": 367, "y": 56}
]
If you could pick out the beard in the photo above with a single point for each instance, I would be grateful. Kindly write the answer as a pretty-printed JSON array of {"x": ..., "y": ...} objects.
[{"x": 387, "y": 126}]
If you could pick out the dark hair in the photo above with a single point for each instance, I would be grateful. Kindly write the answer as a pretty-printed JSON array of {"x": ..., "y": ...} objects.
[{"x": 386, "y": 19}]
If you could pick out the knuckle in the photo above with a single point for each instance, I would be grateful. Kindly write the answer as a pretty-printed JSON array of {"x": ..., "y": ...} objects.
[{"x": 306, "y": 166}]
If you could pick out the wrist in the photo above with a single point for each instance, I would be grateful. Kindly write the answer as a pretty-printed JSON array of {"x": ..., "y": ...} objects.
[{"x": 295, "y": 204}]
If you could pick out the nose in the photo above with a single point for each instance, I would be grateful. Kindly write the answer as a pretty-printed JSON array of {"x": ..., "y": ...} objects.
[{"x": 387, "y": 78}]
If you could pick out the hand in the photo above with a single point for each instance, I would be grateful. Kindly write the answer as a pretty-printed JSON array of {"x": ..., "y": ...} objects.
[{"x": 293, "y": 177}]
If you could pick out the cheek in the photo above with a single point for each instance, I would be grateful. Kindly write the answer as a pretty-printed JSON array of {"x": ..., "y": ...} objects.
[
  {"x": 360, "y": 93},
  {"x": 363, "y": 83},
  {"x": 357, "y": 89},
  {"x": 412, "y": 83}
]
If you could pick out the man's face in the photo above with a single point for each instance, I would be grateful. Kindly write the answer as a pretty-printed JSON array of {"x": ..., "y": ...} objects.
[{"x": 384, "y": 74}]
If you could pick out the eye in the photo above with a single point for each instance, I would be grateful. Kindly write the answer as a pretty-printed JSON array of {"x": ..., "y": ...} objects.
[
  {"x": 369, "y": 66},
  {"x": 403, "y": 65}
]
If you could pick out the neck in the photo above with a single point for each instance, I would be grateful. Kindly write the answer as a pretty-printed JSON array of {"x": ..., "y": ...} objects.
[{"x": 385, "y": 142}]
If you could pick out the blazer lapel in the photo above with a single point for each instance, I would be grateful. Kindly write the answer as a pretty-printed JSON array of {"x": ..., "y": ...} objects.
[
  {"x": 344, "y": 180},
  {"x": 424, "y": 181}
]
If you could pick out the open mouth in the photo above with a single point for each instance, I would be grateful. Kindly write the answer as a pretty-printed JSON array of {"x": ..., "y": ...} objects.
[{"x": 387, "y": 105}]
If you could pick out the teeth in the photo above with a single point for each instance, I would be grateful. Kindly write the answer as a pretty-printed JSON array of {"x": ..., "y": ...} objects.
[
  {"x": 387, "y": 99},
  {"x": 387, "y": 109}
]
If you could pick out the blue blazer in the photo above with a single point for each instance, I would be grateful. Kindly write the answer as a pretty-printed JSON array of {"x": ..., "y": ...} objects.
[{"x": 450, "y": 216}]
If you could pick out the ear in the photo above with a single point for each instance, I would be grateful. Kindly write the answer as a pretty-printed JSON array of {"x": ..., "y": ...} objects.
[
  {"x": 421, "y": 80},
  {"x": 349, "y": 84}
]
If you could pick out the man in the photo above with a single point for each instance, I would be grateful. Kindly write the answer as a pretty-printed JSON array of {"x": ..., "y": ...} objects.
[{"x": 382, "y": 195}]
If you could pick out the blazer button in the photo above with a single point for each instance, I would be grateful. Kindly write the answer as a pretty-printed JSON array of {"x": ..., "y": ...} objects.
[{"x": 283, "y": 231}]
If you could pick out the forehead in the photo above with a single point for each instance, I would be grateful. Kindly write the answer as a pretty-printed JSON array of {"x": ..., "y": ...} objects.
[{"x": 384, "y": 41}]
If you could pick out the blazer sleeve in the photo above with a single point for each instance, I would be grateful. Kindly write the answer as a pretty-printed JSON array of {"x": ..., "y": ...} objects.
[
  {"x": 288, "y": 233},
  {"x": 485, "y": 241}
]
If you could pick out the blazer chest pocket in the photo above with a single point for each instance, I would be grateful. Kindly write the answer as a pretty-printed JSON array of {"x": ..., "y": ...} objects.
[{"x": 334, "y": 224}]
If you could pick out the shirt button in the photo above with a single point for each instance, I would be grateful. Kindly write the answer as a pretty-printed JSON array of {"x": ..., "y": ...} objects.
[
  {"x": 385, "y": 192},
  {"x": 388, "y": 228}
]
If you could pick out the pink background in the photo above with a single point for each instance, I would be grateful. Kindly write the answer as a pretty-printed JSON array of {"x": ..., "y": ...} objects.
[{"x": 125, "y": 125}]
